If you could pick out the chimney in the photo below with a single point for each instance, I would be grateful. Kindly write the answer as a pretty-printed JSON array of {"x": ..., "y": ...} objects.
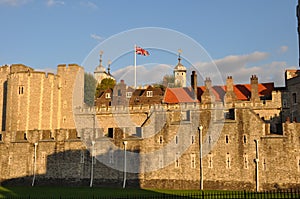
[
  {"x": 254, "y": 88},
  {"x": 207, "y": 96},
  {"x": 230, "y": 96},
  {"x": 207, "y": 83},
  {"x": 194, "y": 83},
  {"x": 229, "y": 84}
]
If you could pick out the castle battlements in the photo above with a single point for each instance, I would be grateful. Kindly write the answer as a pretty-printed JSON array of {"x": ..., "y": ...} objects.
[{"x": 68, "y": 68}]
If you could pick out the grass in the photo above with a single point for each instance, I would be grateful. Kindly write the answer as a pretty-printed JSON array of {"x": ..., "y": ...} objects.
[
  {"x": 68, "y": 192},
  {"x": 86, "y": 192}
]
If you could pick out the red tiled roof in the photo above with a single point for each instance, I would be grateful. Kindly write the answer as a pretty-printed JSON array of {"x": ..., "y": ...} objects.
[
  {"x": 242, "y": 91},
  {"x": 178, "y": 95}
]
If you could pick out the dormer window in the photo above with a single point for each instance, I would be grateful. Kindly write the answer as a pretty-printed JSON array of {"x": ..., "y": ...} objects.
[
  {"x": 107, "y": 95},
  {"x": 128, "y": 94},
  {"x": 149, "y": 93}
]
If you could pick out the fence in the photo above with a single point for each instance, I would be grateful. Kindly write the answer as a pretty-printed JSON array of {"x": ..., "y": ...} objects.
[{"x": 201, "y": 194}]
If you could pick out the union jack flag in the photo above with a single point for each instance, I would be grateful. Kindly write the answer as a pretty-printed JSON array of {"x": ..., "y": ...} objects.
[{"x": 141, "y": 51}]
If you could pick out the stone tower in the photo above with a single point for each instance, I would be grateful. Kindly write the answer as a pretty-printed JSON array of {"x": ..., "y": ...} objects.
[
  {"x": 179, "y": 73},
  {"x": 34, "y": 100}
]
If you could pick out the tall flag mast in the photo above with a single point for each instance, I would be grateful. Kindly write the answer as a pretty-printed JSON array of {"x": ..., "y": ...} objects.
[{"x": 140, "y": 51}]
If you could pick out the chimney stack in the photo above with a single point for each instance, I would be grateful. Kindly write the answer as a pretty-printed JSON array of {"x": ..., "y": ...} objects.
[
  {"x": 230, "y": 95},
  {"x": 254, "y": 88},
  {"x": 194, "y": 84},
  {"x": 207, "y": 83},
  {"x": 208, "y": 97},
  {"x": 229, "y": 84}
]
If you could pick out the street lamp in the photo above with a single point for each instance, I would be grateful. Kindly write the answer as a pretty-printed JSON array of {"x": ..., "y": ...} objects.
[
  {"x": 124, "y": 182},
  {"x": 34, "y": 168},
  {"x": 257, "y": 161},
  {"x": 92, "y": 167},
  {"x": 201, "y": 162}
]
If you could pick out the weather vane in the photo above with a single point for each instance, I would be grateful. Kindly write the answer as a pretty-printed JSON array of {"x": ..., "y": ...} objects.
[
  {"x": 179, "y": 53},
  {"x": 101, "y": 53}
]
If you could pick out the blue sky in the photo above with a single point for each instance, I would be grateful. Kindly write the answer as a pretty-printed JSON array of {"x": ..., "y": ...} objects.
[{"x": 242, "y": 37}]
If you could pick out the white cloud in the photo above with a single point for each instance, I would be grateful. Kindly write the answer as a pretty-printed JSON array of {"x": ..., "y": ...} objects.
[
  {"x": 241, "y": 67},
  {"x": 283, "y": 49},
  {"x": 97, "y": 37},
  {"x": 146, "y": 74},
  {"x": 89, "y": 4},
  {"x": 14, "y": 2},
  {"x": 51, "y": 3}
]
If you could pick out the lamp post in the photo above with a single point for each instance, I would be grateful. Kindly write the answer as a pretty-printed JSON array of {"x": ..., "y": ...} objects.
[
  {"x": 92, "y": 167},
  {"x": 257, "y": 161},
  {"x": 201, "y": 162},
  {"x": 34, "y": 168},
  {"x": 125, "y": 162}
]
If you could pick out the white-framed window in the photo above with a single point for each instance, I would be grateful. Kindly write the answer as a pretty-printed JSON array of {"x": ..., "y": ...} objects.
[
  {"x": 177, "y": 164},
  {"x": 228, "y": 161},
  {"x": 186, "y": 115},
  {"x": 193, "y": 160},
  {"x": 128, "y": 94},
  {"x": 149, "y": 93},
  {"x": 210, "y": 160},
  {"x": 107, "y": 95},
  {"x": 246, "y": 162}
]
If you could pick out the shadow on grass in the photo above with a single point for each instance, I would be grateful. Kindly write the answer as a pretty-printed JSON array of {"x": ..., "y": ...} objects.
[{"x": 85, "y": 192}]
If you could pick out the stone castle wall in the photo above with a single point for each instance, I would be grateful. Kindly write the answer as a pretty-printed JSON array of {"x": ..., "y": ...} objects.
[
  {"x": 228, "y": 158},
  {"x": 38, "y": 112}
]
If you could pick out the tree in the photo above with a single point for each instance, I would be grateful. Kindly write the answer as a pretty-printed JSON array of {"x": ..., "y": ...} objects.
[
  {"x": 104, "y": 85},
  {"x": 89, "y": 88}
]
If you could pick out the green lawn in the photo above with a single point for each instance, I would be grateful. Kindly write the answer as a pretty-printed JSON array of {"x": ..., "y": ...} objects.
[
  {"x": 86, "y": 192},
  {"x": 69, "y": 192}
]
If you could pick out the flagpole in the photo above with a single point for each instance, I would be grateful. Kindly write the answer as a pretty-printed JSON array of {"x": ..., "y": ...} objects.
[{"x": 135, "y": 66}]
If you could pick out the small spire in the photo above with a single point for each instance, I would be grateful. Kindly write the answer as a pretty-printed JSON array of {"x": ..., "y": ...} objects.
[
  {"x": 101, "y": 53},
  {"x": 108, "y": 68},
  {"x": 179, "y": 53}
]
